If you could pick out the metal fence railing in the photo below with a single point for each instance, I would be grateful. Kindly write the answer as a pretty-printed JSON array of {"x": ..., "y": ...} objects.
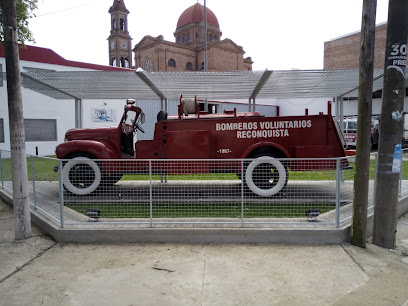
[{"x": 263, "y": 192}]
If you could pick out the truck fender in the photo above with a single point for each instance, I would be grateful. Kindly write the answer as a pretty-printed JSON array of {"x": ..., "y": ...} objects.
[
  {"x": 265, "y": 144},
  {"x": 98, "y": 149}
]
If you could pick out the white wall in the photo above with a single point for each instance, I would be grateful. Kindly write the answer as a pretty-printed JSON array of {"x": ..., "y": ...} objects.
[
  {"x": 38, "y": 106},
  {"x": 351, "y": 107},
  {"x": 296, "y": 107}
]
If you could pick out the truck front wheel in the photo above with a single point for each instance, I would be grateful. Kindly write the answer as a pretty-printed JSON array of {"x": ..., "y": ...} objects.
[
  {"x": 81, "y": 175},
  {"x": 266, "y": 176}
]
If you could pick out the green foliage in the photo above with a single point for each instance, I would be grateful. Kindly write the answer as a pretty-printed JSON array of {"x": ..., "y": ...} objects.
[
  {"x": 24, "y": 11},
  {"x": 43, "y": 168}
]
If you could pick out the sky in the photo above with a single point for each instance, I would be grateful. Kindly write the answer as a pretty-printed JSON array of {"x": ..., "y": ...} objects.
[{"x": 277, "y": 34}]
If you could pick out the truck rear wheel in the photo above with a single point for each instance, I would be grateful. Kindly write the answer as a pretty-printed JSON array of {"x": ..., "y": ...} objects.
[
  {"x": 81, "y": 175},
  {"x": 266, "y": 176}
]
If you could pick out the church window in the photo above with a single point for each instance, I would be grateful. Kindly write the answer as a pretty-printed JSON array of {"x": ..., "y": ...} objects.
[
  {"x": 180, "y": 40},
  {"x": 202, "y": 66},
  {"x": 189, "y": 66},
  {"x": 113, "y": 61},
  {"x": 215, "y": 37},
  {"x": 172, "y": 63},
  {"x": 122, "y": 24},
  {"x": 188, "y": 36},
  {"x": 122, "y": 62},
  {"x": 113, "y": 24},
  {"x": 126, "y": 63},
  {"x": 184, "y": 39},
  {"x": 210, "y": 37},
  {"x": 197, "y": 35}
]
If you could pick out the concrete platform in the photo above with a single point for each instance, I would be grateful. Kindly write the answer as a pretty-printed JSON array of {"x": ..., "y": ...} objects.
[
  {"x": 40, "y": 271},
  {"x": 78, "y": 230}
]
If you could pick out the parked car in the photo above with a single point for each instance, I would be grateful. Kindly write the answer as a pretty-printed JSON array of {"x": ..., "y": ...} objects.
[{"x": 350, "y": 131}]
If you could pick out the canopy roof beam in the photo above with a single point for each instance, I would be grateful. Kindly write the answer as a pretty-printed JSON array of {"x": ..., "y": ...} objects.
[
  {"x": 264, "y": 78},
  {"x": 151, "y": 85}
]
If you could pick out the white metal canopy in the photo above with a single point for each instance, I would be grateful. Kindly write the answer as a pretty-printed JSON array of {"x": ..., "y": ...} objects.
[{"x": 206, "y": 85}]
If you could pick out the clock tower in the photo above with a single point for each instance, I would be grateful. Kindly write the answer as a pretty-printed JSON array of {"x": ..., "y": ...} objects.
[{"x": 120, "y": 49}]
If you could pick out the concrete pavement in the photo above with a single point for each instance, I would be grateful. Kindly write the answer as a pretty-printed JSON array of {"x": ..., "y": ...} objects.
[{"x": 39, "y": 271}]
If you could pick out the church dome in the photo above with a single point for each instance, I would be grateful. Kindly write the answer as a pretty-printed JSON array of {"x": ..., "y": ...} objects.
[{"x": 195, "y": 13}]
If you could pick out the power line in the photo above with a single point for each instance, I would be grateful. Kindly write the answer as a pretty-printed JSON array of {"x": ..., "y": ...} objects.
[{"x": 60, "y": 11}]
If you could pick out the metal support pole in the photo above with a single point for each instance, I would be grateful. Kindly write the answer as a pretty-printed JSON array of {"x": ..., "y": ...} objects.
[
  {"x": 78, "y": 114},
  {"x": 338, "y": 179},
  {"x": 242, "y": 193},
  {"x": 1, "y": 171},
  {"x": 205, "y": 49},
  {"x": 151, "y": 193},
  {"x": 375, "y": 177},
  {"x": 336, "y": 104},
  {"x": 400, "y": 179},
  {"x": 33, "y": 179},
  {"x": 205, "y": 36},
  {"x": 341, "y": 114},
  {"x": 61, "y": 193}
]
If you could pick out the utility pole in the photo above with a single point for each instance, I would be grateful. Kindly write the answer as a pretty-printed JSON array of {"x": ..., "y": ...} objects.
[
  {"x": 365, "y": 98},
  {"x": 389, "y": 150},
  {"x": 22, "y": 218},
  {"x": 205, "y": 49}
]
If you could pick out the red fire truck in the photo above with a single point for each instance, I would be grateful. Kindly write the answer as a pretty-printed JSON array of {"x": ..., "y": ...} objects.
[{"x": 193, "y": 134}]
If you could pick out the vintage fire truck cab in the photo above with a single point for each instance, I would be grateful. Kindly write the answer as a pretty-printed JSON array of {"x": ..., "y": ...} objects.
[{"x": 198, "y": 135}]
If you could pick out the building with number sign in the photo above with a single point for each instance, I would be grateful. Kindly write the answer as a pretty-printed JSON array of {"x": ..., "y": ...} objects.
[{"x": 344, "y": 52}]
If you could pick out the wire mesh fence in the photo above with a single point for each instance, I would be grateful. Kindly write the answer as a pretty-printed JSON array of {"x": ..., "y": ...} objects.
[
  {"x": 262, "y": 192},
  {"x": 403, "y": 188}
]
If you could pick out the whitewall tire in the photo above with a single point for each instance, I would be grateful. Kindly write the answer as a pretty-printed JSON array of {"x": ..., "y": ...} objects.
[
  {"x": 278, "y": 183},
  {"x": 81, "y": 175}
]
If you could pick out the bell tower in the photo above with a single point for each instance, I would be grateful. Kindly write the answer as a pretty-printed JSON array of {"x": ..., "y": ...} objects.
[{"x": 120, "y": 49}]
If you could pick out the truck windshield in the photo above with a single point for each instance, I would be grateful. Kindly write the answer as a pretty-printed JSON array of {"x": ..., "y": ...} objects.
[{"x": 130, "y": 117}]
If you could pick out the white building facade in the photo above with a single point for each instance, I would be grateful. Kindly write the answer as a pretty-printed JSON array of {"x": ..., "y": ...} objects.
[{"x": 46, "y": 119}]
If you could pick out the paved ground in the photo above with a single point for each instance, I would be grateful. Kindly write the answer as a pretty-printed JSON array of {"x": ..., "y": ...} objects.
[{"x": 39, "y": 271}]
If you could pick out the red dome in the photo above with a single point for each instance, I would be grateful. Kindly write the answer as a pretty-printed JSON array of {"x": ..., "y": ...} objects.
[{"x": 195, "y": 13}]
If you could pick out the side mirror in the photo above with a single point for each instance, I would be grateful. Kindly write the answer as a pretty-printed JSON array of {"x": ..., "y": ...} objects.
[{"x": 142, "y": 117}]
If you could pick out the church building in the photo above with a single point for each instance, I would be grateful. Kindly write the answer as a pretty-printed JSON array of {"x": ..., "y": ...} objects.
[{"x": 186, "y": 53}]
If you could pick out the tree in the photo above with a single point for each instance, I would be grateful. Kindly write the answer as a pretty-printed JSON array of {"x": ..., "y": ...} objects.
[{"x": 24, "y": 11}]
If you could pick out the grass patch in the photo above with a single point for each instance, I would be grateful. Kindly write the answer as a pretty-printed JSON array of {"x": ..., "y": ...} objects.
[
  {"x": 213, "y": 210},
  {"x": 184, "y": 177},
  {"x": 43, "y": 168},
  {"x": 44, "y": 171}
]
